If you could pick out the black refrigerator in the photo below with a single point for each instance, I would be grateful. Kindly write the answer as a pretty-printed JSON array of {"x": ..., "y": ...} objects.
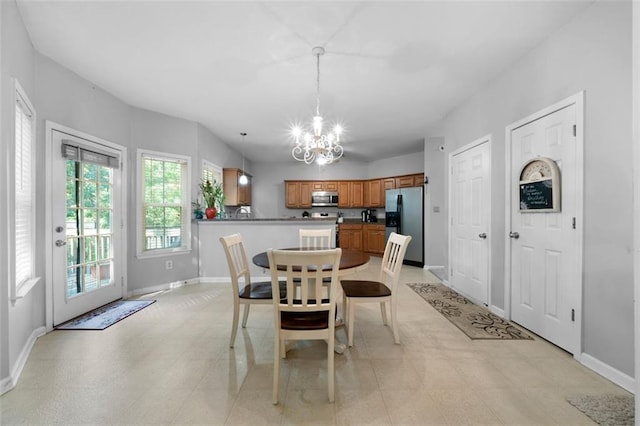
[{"x": 404, "y": 215}]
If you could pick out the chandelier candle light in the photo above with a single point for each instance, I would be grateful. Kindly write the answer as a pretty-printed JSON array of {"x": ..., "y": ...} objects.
[{"x": 317, "y": 147}]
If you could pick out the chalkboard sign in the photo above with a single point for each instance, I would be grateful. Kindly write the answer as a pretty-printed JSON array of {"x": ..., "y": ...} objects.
[
  {"x": 536, "y": 195},
  {"x": 539, "y": 186}
]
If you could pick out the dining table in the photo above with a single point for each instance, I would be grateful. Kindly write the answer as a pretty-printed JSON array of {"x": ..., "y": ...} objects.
[{"x": 351, "y": 261}]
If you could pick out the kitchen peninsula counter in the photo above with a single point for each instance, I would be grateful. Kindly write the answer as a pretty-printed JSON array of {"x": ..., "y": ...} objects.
[{"x": 258, "y": 235}]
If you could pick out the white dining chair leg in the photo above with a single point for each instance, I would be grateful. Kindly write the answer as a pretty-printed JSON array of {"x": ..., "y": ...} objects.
[
  {"x": 331, "y": 368},
  {"x": 276, "y": 368},
  {"x": 245, "y": 316},
  {"x": 394, "y": 324},
  {"x": 234, "y": 325},
  {"x": 383, "y": 311},
  {"x": 351, "y": 311}
]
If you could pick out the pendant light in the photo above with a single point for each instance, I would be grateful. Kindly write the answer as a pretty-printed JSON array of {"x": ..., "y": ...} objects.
[{"x": 243, "y": 179}]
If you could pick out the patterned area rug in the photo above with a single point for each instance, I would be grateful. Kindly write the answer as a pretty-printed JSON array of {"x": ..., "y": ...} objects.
[
  {"x": 606, "y": 409},
  {"x": 473, "y": 320},
  {"x": 105, "y": 316}
]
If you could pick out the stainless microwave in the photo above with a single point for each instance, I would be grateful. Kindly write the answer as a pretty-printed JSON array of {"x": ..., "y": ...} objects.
[{"x": 324, "y": 199}]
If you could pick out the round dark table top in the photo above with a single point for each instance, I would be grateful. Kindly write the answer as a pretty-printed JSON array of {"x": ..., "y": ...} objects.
[{"x": 350, "y": 259}]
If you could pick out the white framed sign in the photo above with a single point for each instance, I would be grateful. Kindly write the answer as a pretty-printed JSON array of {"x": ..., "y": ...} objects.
[{"x": 540, "y": 186}]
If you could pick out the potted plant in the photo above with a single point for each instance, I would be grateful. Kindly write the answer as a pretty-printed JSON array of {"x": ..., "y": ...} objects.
[
  {"x": 213, "y": 196},
  {"x": 197, "y": 208}
]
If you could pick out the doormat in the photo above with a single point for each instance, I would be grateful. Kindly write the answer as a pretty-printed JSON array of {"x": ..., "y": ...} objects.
[
  {"x": 473, "y": 320},
  {"x": 105, "y": 316},
  {"x": 608, "y": 409}
]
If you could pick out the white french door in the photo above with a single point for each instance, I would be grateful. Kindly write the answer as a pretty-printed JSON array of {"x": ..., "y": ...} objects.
[
  {"x": 545, "y": 255},
  {"x": 86, "y": 223},
  {"x": 470, "y": 201}
]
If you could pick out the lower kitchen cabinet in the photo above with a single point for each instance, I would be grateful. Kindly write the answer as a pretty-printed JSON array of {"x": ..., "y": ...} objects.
[
  {"x": 351, "y": 236},
  {"x": 373, "y": 238}
]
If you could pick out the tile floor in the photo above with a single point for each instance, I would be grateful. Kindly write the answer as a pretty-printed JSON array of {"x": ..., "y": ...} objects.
[{"x": 171, "y": 364}]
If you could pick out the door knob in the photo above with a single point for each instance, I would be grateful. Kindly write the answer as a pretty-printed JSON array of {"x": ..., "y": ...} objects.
[
  {"x": 514, "y": 235},
  {"x": 483, "y": 235},
  {"x": 60, "y": 243}
]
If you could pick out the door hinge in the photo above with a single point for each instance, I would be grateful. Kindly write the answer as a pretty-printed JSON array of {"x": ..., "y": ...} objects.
[
  {"x": 573, "y": 223},
  {"x": 573, "y": 315},
  {"x": 122, "y": 282},
  {"x": 575, "y": 130}
]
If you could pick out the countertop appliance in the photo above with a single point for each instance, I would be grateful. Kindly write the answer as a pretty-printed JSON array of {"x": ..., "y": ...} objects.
[
  {"x": 369, "y": 215},
  {"x": 404, "y": 215},
  {"x": 324, "y": 199}
]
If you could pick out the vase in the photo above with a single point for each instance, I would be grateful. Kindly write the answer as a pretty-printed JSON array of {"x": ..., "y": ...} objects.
[
  {"x": 198, "y": 213},
  {"x": 210, "y": 212}
]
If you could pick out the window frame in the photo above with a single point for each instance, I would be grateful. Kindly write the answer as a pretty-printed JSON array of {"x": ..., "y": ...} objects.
[
  {"x": 208, "y": 168},
  {"x": 185, "y": 247},
  {"x": 18, "y": 290}
]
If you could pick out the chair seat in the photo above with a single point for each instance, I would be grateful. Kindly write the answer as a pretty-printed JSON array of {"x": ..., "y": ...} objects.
[
  {"x": 358, "y": 288},
  {"x": 304, "y": 320},
  {"x": 262, "y": 290}
]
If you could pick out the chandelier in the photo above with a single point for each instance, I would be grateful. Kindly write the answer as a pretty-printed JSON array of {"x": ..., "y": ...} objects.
[{"x": 315, "y": 146}]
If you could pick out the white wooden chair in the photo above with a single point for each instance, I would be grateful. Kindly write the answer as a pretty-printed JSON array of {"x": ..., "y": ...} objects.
[
  {"x": 381, "y": 291},
  {"x": 245, "y": 292},
  {"x": 308, "y": 316},
  {"x": 315, "y": 238}
]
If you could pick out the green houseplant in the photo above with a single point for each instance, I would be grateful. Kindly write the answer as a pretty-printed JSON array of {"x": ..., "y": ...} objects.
[{"x": 213, "y": 196}]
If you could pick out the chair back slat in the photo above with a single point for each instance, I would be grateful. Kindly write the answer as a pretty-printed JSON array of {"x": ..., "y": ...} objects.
[
  {"x": 315, "y": 238},
  {"x": 392, "y": 259},
  {"x": 309, "y": 267},
  {"x": 237, "y": 261}
]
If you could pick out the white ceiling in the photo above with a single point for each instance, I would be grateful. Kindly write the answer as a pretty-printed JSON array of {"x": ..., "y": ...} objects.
[{"x": 392, "y": 70}]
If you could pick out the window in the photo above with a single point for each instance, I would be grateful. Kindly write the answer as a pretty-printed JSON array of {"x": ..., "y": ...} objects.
[
  {"x": 163, "y": 204},
  {"x": 23, "y": 195},
  {"x": 211, "y": 172}
]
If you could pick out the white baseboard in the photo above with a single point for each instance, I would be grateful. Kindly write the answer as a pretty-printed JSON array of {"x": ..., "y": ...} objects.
[
  {"x": 433, "y": 266},
  {"x": 162, "y": 287},
  {"x": 9, "y": 383},
  {"x": 498, "y": 311},
  {"x": 608, "y": 372}
]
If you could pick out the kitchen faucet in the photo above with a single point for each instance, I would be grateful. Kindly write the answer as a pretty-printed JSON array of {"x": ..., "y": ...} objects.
[{"x": 240, "y": 209}]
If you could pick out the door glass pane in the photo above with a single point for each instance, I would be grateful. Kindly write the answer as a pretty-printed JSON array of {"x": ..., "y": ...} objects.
[{"x": 89, "y": 230}]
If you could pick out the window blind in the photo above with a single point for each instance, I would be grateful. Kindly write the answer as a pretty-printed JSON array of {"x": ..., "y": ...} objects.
[
  {"x": 73, "y": 152},
  {"x": 24, "y": 191}
]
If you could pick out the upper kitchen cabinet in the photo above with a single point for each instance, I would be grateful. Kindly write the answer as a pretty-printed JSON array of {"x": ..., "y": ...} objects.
[
  {"x": 324, "y": 185},
  {"x": 409, "y": 181},
  {"x": 297, "y": 194},
  {"x": 234, "y": 193},
  {"x": 373, "y": 193},
  {"x": 350, "y": 193},
  {"x": 388, "y": 183}
]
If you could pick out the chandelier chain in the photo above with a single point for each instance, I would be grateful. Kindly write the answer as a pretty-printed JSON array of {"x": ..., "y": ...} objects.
[{"x": 318, "y": 84}]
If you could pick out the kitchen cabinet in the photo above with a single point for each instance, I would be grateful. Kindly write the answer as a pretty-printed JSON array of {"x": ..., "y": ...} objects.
[
  {"x": 373, "y": 238},
  {"x": 234, "y": 193},
  {"x": 388, "y": 183},
  {"x": 324, "y": 185},
  {"x": 350, "y": 193},
  {"x": 404, "y": 181},
  {"x": 351, "y": 236},
  {"x": 373, "y": 193},
  {"x": 297, "y": 194},
  {"x": 409, "y": 181}
]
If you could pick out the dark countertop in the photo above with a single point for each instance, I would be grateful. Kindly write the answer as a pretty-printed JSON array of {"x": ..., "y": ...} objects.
[{"x": 274, "y": 219}]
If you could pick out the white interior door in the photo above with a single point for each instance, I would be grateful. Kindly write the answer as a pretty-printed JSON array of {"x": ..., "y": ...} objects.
[
  {"x": 470, "y": 212},
  {"x": 86, "y": 218},
  {"x": 545, "y": 283}
]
